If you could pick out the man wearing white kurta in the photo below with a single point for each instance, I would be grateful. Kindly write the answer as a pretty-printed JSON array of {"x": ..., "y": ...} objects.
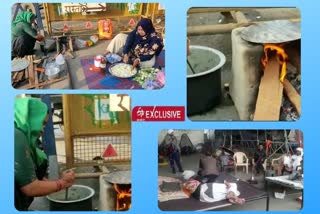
[{"x": 212, "y": 192}]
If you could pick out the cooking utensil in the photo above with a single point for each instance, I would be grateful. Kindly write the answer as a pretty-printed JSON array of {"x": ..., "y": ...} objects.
[
  {"x": 19, "y": 64},
  {"x": 190, "y": 67},
  {"x": 67, "y": 189},
  {"x": 66, "y": 196},
  {"x": 119, "y": 177},
  {"x": 278, "y": 31}
]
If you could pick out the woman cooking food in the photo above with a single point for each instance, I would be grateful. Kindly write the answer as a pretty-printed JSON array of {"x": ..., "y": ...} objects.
[
  {"x": 140, "y": 47},
  {"x": 23, "y": 36},
  {"x": 30, "y": 116}
]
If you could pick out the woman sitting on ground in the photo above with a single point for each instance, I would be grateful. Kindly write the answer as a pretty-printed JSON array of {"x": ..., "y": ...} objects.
[
  {"x": 212, "y": 192},
  {"x": 140, "y": 47},
  {"x": 23, "y": 36}
]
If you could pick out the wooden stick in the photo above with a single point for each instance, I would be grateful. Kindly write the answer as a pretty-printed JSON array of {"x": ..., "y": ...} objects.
[
  {"x": 43, "y": 83},
  {"x": 292, "y": 95},
  {"x": 31, "y": 71},
  {"x": 239, "y": 17},
  {"x": 218, "y": 9},
  {"x": 36, "y": 80},
  {"x": 218, "y": 28},
  {"x": 270, "y": 93}
]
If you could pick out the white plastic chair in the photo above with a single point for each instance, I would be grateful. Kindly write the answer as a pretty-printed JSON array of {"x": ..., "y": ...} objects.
[
  {"x": 241, "y": 159},
  {"x": 264, "y": 164}
]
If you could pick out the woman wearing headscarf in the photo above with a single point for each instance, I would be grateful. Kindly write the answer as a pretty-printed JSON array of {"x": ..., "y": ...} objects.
[
  {"x": 140, "y": 47},
  {"x": 23, "y": 36},
  {"x": 30, "y": 117}
]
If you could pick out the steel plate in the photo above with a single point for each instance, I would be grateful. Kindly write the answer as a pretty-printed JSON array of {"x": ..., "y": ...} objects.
[{"x": 278, "y": 31}]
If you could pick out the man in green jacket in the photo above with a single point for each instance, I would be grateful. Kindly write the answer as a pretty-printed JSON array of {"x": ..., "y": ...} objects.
[
  {"x": 23, "y": 36},
  {"x": 30, "y": 116}
]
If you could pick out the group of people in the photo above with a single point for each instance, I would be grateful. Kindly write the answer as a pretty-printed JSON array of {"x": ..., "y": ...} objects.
[
  {"x": 140, "y": 47},
  {"x": 30, "y": 162},
  {"x": 203, "y": 185}
]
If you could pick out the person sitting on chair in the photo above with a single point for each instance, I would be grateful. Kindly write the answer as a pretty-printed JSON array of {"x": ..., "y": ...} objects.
[
  {"x": 285, "y": 166},
  {"x": 212, "y": 192}
]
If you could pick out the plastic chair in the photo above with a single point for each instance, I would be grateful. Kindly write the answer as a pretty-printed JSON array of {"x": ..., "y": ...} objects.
[
  {"x": 264, "y": 164},
  {"x": 241, "y": 159}
]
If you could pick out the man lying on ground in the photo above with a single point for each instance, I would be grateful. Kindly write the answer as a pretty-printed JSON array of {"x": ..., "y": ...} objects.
[{"x": 212, "y": 192}]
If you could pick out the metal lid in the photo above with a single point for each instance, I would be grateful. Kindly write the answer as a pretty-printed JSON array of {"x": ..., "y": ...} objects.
[
  {"x": 278, "y": 31},
  {"x": 119, "y": 177},
  {"x": 19, "y": 64}
]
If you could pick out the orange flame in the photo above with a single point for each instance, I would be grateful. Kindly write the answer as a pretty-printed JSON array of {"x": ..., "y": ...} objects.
[
  {"x": 281, "y": 55},
  {"x": 122, "y": 194}
]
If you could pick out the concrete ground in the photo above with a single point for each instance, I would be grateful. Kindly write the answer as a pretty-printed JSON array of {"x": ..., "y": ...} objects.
[
  {"x": 78, "y": 80},
  {"x": 222, "y": 42},
  {"x": 288, "y": 203}
]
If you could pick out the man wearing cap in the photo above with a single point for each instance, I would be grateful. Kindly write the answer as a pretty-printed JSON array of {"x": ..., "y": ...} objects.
[{"x": 173, "y": 151}]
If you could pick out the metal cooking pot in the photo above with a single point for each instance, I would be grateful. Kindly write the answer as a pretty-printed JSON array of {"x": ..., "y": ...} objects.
[{"x": 80, "y": 199}]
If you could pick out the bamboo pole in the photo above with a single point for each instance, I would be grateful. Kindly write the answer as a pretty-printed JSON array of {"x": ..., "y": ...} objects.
[
  {"x": 239, "y": 17},
  {"x": 218, "y": 9},
  {"x": 47, "y": 18},
  {"x": 219, "y": 28},
  {"x": 211, "y": 29},
  {"x": 68, "y": 130}
]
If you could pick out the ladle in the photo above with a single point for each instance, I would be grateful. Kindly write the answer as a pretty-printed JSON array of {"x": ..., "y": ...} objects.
[{"x": 190, "y": 67}]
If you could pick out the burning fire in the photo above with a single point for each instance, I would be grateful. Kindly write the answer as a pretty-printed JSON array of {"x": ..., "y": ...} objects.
[
  {"x": 281, "y": 55},
  {"x": 123, "y": 198}
]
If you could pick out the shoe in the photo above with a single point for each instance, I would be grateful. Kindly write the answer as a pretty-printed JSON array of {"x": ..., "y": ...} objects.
[{"x": 173, "y": 171}]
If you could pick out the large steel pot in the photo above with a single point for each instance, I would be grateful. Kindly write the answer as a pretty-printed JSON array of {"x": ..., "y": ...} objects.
[
  {"x": 79, "y": 199},
  {"x": 204, "y": 82}
]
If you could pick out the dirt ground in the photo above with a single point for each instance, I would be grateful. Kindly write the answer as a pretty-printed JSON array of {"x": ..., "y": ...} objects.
[{"x": 222, "y": 42}]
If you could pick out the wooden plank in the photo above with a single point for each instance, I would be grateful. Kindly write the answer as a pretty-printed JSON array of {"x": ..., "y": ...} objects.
[
  {"x": 270, "y": 93},
  {"x": 30, "y": 86},
  {"x": 31, "y": 71},
  {"x": 36, "y": 80},
  {"x": 292, "y": 95}
]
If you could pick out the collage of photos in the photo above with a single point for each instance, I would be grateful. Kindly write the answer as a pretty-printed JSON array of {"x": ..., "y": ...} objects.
[
  {"x": 201, "y": 170},
  {"x": 73, "y": 151}
]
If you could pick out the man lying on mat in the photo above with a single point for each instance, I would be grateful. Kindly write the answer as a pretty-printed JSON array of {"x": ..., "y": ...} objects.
[{"x": 212, "y": 192}]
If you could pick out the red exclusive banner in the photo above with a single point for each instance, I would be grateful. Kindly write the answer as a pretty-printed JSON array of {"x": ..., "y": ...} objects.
[{"x": 158, "y": 113}]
